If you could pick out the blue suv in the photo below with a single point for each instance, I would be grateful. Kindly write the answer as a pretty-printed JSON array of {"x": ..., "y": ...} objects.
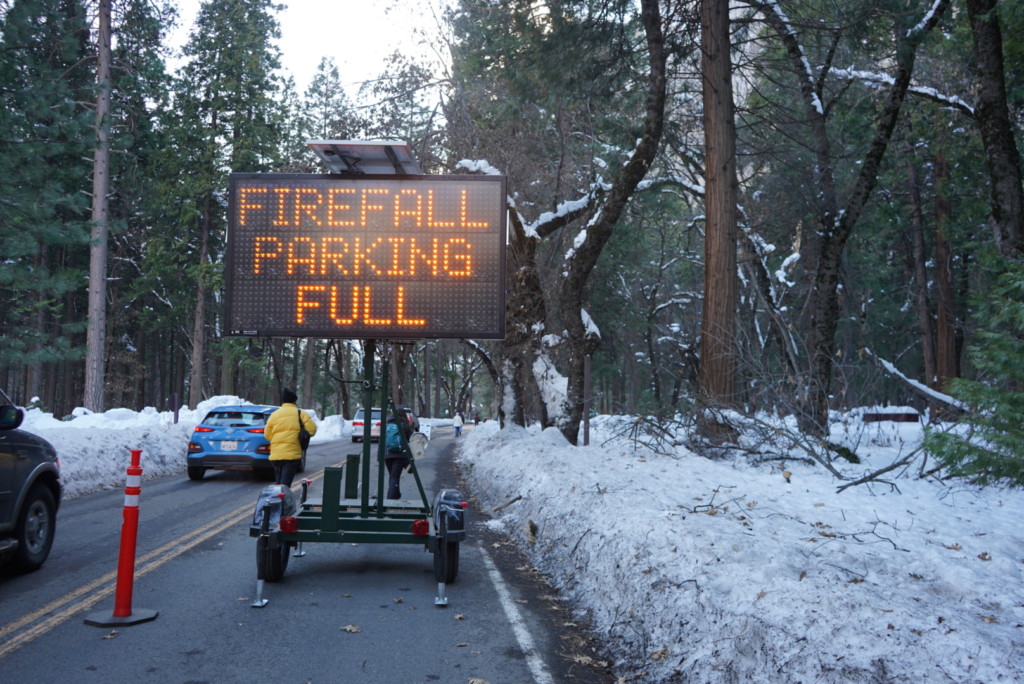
[{"x": 231, "y": 438}]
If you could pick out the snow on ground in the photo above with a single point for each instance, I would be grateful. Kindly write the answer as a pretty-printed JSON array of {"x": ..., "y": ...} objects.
[
  {"x": 94, "y": 447},
  {"x": 704, "y": 570}
]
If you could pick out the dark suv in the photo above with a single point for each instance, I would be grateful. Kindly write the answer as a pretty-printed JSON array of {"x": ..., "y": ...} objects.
[{"x": 30, "y": 492}]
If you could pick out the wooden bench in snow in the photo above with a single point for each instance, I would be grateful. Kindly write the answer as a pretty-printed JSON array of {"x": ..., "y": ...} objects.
[{"x": 894, "y": 417}]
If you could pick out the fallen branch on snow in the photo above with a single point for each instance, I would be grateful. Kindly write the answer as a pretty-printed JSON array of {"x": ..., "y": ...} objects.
[
  {"x": 921, "y": 390},
  {"x": 875, "y": 475}
]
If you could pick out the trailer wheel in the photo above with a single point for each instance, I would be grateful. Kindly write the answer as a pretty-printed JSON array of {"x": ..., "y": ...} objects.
[
  {"x": 451, "y": 549},
  {"x": 272, "y": 563}
]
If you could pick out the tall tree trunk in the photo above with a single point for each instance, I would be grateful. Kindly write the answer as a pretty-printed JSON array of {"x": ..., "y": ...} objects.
[
  {"x": 582, "y": 342},
  {"x": 924, "y": 309},
  {"x": 277, "y": 363},
  {"x": 437, "y": 383},
  {"x": 143, "y": 374},
  {"x": 199, "y": 323},
  {"x": 95, "y": 342},
  {"x": 837, "y": 226},
  {"x": 525, "y": 312},
  {"x": 945, "y": 329},
  {"x": 35, "y": 383},
  {"x": 426, "y": 380},
  {"x": 307, "y": 373},
  {"x": 178, "y": 342},
  {"x": 718, "y": 324},
  {"x": 227, "y": 370},
  {"x": 341, "y": 358},
  {"x": 993, "y": 117}
]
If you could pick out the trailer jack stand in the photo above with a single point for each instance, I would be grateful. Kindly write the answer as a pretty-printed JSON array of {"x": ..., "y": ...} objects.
[
  {"x": 260, "y": 601},
  {"x": 299, "y": 553},
  {"x": 441, "y": 599}
]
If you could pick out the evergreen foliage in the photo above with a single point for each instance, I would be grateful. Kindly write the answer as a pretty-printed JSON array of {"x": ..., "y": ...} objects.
[
  {"x": 45, "y": 141},
  {"x": 988, "y": 443}
]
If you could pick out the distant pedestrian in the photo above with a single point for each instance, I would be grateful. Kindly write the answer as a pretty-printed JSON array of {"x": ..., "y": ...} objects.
[
  {"x": 476, "y": 419},
  {"x": 397, "y": 459},
  {"x": 457, "y": 422},
  {"x": 282, "y": 431}
]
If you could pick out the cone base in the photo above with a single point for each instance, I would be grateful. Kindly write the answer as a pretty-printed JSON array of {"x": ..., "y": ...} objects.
[{"x": 138, "y": 615}]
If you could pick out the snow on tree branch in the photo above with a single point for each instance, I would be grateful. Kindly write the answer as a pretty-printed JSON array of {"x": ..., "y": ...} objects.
[
  {"x": 565, "y": 213},
  {"x": 780, "y": 22},
  {"x": 478, "y": 166},
  {"x": 923, "y": 24},
  {"x": 673, "y": 178},
  {"x": 672, "y": 302},
  {"x": 925, "y": 391},
  {"x": 925, "y": 92},
  {"x": 589, "y": 325}
]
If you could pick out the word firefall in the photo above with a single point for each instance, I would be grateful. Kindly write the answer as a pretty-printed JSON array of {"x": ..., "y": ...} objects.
[{"x": 318, "y": 256}]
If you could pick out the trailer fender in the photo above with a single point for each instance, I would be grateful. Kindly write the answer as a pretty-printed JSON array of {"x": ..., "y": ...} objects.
[{"x": 449, "y": 516}]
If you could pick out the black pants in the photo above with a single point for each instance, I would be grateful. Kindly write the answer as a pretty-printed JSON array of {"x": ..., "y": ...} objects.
[
  {"x": 395, "y": 464},
  {"x": 284, "y": 471}
]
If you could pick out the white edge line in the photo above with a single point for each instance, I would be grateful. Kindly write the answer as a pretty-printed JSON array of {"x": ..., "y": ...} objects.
[{"x": 537, "y": 667}]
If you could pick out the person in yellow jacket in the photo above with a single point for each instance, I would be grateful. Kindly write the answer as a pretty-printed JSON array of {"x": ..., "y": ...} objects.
[{"x": 282, "y": 431}]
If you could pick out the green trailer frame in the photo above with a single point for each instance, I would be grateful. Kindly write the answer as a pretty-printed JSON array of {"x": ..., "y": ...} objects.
[{"x": 346, "y": 513}]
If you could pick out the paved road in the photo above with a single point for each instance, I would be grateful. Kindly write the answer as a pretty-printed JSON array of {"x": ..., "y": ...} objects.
[{"x": 197, "y": 567}]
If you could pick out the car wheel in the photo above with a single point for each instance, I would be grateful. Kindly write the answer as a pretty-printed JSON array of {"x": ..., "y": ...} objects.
[
  {"x": 355, "y": 439},
  {"x": 302, "y": 463},
  {"x": 35, "y": 528},
  {"x": 271, "y": 564},
  {"x": 452, "y": 569},
  {"x": 196, "y": 472}
]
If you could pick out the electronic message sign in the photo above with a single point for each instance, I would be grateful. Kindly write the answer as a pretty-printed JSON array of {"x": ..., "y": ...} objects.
[{"x": 371, "y": 256}]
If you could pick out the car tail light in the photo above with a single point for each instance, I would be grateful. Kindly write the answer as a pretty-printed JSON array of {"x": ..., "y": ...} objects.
[
  {"x": 420, "y": 527},
  {"x": 263, "y": 449},
  {"x": 356, "y": 423},
  {"x": 376, "y": 425},
  {"x": 193, "y": 447},
  {"x": 203, "y": 429},
  {"x": 289, "y": 524},
  {"x": 259, "y": 430}
]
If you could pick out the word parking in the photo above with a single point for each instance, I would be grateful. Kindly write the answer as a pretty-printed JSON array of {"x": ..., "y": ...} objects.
[{"x": 366, "y": 256}]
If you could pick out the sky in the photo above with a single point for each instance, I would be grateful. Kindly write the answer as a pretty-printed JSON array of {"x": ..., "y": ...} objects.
[{"x": 358, "y": 34}]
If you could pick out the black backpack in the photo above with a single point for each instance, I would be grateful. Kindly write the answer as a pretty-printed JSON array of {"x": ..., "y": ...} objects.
[{"x": 303, "y": 433}]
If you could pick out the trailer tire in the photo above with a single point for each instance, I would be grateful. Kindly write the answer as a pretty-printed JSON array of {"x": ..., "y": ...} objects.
[
  {"x": 452, "y": 569},
  {"x": 272, "y": 563}
]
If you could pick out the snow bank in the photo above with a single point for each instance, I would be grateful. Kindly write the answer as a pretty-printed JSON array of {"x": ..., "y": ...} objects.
[
  {"x": 331, "y": 429},
  {"x": 708, "y": 571},
  {"x": 94, "y": 447}
]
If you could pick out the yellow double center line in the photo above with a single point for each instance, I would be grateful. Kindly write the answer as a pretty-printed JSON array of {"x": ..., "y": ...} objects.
[{"x": 143, "y": 565}]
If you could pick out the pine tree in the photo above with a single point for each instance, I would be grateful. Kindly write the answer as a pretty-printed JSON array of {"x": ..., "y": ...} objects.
[
  {"x": 225, "y": 119},
  {"x": 45, "y": 135},
  {"x": 989, "y": 446}
]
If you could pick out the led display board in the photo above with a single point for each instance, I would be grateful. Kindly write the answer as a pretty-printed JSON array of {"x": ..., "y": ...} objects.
[{"x": 368, "y": 256}]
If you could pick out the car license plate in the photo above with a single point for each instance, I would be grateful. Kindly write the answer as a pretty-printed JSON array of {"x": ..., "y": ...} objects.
[{"x": 231, "y": 445}]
